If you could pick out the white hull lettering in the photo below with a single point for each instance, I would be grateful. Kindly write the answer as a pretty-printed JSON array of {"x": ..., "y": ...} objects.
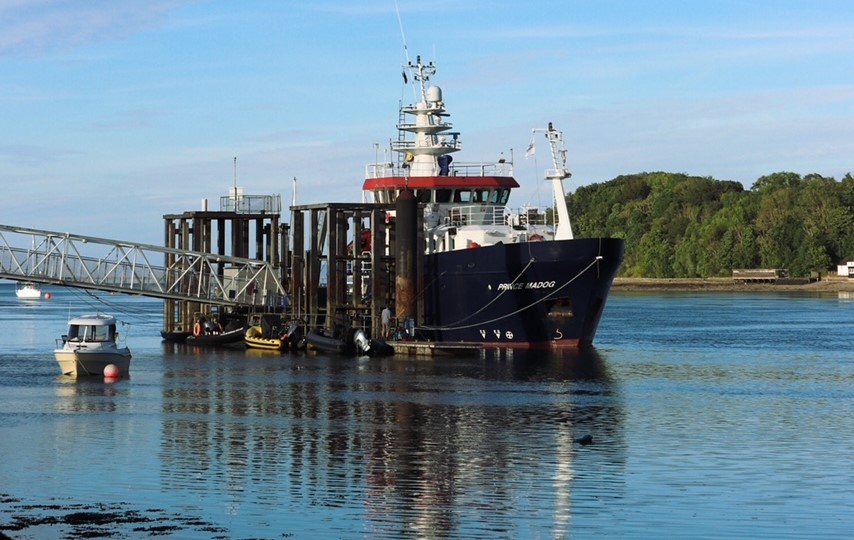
[
  {"x": 526, "y": 285},
  {"x": 498, "y": 333}
]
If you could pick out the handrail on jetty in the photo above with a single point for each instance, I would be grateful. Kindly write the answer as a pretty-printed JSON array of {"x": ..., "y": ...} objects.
[{"x": 57, "y": 258}]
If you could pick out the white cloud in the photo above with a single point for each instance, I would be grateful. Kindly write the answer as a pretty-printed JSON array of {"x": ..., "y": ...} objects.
[{"x": 41, "y": 26}]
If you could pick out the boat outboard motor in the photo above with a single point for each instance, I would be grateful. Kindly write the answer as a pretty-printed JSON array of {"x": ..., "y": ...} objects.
[{"x": 363, "y": 344}]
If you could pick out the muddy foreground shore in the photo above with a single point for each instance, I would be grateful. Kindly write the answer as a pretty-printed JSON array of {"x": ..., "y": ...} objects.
[{"x": 829, "y": 284}]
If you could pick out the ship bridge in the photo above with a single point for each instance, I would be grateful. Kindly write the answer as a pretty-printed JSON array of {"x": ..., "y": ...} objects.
[{"x": 57, "y": 258}]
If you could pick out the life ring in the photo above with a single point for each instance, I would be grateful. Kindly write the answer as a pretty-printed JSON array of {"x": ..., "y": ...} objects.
[
  {"x": 535, "y": 238},
  {"x": 197, "y": 329}
]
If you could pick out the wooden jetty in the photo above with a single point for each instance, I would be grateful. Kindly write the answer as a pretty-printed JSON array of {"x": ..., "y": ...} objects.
[
  {"x": 246, "y": 226},
  {"x": 352, "y": 246},
  {"x": 338, "y": 261}
]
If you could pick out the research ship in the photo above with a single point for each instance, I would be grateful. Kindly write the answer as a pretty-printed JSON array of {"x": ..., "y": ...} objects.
[{"x": 491, "y": 275}]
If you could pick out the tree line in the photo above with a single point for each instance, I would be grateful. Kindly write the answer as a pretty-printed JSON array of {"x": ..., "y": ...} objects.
[{"x": 677, "y": 225}]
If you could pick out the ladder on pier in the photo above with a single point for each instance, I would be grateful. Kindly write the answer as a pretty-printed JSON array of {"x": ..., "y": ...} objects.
[{"x": 65, "y": 259}]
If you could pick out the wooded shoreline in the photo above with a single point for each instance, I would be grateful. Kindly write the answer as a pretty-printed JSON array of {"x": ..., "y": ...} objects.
[
  {"x": 680, "y": 225},
  {"x": 828, "y": 284}
]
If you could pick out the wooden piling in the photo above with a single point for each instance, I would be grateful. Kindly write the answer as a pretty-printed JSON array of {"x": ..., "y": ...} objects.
[
  {"x": 200, "y": 230},
  {"x": 337, "y": 260}
]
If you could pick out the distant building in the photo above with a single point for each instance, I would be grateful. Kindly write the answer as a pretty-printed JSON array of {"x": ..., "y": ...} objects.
[{"x": 846, "y": 269}]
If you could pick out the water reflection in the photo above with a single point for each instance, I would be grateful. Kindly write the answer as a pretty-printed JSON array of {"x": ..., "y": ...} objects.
[
  {"x": 84, "y": 395},
  {"x": 418, "y": 446},
  {"x": 700, "y": 406}
]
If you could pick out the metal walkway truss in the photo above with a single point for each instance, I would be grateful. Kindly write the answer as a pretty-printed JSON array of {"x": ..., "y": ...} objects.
[{"x": 87, "y": 262}]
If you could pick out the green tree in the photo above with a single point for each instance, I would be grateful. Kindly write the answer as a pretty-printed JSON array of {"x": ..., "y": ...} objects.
[{"x": 677, "y": 225}]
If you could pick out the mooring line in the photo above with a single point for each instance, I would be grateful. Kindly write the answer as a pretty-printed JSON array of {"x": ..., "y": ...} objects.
[{"x": 546, "y": 297}]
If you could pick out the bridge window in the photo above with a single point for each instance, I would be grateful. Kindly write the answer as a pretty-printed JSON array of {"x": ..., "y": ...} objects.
[
  {"x": 443, "y": 195},
  {"x": 462, "y": 196}
]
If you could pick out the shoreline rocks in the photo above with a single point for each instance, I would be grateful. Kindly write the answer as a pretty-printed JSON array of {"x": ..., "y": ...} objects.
[{"x": 826, "y": 285}]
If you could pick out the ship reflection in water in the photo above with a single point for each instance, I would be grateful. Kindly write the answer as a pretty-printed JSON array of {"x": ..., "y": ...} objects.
[
  {"x": 698, "y": 406},
  {"x": 470, "y": 447}
]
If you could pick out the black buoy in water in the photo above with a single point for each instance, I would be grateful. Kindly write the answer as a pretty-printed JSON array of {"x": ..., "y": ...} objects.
[{"x": 585, "y": 440}]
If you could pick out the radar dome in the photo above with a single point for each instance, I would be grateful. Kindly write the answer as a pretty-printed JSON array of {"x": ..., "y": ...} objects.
[{"x": 434, "y": 94}]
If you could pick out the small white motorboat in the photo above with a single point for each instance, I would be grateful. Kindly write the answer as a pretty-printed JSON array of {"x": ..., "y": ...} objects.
[
  {"x": 28, "y": 291},
  {"x": 90, "y": 346}
]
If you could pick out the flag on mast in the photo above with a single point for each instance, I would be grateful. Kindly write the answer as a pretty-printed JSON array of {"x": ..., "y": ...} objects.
[{"x": 532, "y": 149}]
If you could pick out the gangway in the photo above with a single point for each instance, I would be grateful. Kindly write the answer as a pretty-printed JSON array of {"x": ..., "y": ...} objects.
[{"x": 57, "y": 258}]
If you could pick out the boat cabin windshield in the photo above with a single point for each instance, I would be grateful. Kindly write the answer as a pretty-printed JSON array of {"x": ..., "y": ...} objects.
[{"x": 91, "y": 332}]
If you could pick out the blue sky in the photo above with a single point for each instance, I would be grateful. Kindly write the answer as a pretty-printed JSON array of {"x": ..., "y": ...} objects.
[{"x": 116, "y": 113}]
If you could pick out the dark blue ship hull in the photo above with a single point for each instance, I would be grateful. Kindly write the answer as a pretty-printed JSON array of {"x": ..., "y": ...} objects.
[{"x": 532, "y": 294}]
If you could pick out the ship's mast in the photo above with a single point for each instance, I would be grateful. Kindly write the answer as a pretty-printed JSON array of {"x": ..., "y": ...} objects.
[
  {"x": 427, "y": 155},
  {"x": 421, "y": 74},
  {"x": 563, "y": 228}
]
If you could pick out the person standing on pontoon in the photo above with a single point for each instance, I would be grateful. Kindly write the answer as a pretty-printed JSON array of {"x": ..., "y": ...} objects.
[{"x": 386, "y": 320}]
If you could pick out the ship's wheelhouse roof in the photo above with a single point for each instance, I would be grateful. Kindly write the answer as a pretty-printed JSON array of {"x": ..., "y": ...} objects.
[{"x": 92, "y": 320}]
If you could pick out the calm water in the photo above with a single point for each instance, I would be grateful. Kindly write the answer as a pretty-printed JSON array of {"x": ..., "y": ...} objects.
[{"x": 712, "y": 415}]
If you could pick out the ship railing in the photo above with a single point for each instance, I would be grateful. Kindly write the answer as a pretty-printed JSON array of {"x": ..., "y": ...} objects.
[
  {"x": 494, "y": 215},
  {"x": 528, "y": 216},
  {"x": 556, "y": 174},
  {"x": 453, "y": 144},
  {"x": 464, "y": 169},
  {"x": 251, "y": 204},
  {"x": 478, "y": 214},
  {"x": 441, "y": 127}
]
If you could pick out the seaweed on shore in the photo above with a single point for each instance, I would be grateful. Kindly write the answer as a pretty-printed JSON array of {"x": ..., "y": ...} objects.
[{"x": 97, "y": 520}]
